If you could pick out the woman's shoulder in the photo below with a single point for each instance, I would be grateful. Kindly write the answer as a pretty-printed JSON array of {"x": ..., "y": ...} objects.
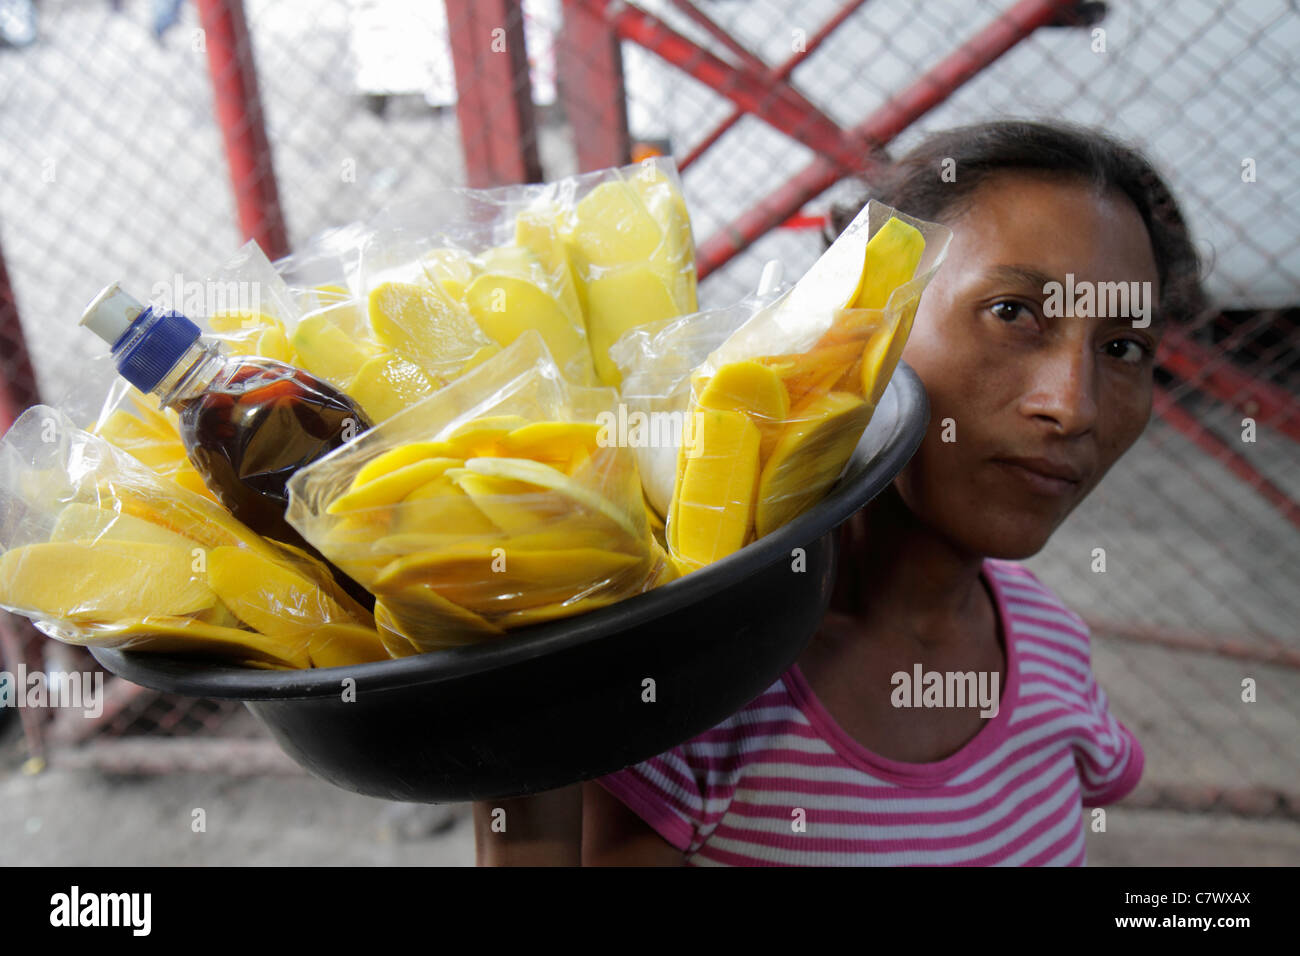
[{"x": 1025, "y": 595}]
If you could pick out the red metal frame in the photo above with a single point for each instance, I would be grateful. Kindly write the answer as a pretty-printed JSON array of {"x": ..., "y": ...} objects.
[
  {"x": 752, "y": 90},
  {"x": 18, "y": 386},
  {"x": 880, "y": 128},
  {"x": 494, "y": 98},
  {"x": 1213, "y": 372},
  {"x": 238, "y": 108},
  {"x": 591, "y": 88},
  {"x": 1185, "y": 423},
  {"x": 780, "y": 73}
]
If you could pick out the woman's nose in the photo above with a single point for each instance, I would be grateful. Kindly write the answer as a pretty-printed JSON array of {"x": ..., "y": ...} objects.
[{"x": 1062, "y": 388}]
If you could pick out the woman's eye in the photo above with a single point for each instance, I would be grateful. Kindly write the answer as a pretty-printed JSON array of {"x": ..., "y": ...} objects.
[
  {"x": 1007, "y": 310},
  {"x": 1129, "y": 350}
]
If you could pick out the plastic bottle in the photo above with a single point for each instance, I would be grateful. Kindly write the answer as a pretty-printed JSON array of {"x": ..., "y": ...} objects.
[{"x": 248, "y": 423}]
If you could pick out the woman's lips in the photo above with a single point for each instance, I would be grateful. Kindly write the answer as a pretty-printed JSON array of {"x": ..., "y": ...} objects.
[{"x": 1042, "y": 477}]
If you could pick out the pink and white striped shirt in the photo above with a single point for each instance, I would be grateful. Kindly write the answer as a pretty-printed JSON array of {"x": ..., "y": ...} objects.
[{"x": 1012, "y": 796}]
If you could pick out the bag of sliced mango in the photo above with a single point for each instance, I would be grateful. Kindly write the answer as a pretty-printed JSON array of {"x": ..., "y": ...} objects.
[
  {"x": 656, "y": 362},
  {"x": 777, "y": 410},
  {"x": 425, "y": 291},
  {"x": 97, "y": 548},
  {"x": 492, "y": 505}
]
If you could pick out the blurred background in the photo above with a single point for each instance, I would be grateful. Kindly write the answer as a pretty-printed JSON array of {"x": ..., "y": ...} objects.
[{"x": 140, "y": 139}]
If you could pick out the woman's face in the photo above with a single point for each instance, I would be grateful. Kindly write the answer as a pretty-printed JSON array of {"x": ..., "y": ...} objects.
[{"x": 1008, "y": 381}]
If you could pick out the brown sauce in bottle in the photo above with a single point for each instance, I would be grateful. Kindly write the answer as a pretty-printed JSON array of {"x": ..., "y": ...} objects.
[{"x": 255, "y": 425}]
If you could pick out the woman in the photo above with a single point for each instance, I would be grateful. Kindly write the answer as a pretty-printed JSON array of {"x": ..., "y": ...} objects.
[{"x": 842, "y": 760}]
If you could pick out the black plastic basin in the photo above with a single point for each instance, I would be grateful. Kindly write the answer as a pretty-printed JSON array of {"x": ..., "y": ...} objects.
[{"x": 567, "y": 700}]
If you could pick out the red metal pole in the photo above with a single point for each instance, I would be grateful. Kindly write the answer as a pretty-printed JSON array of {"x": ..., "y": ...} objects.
[
  {"x": 1213, "y": 373},
  {"x": 775, "y": 102},
  {"x": 881, "y": 127},
  {"x": 705, "y": 22},
  {"x": 494, "y": 97},
  {"x": 781, "y": 73},
  {"x": 17, "y": 377},
  {"x": 1168, "y": 409},
  {"x": 243, "y": 127},
  {"x": 591, "y": 85}
]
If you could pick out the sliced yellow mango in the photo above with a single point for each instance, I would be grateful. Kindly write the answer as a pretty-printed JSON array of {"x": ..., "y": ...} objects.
[
  {"x": 479, "y": 357},
  {"x": 875, "y": 378},
  {"x": 441, "y": 507},
  {"x": 715, "y": 507},
  {"x": 344, "y": 310},
  {"x": 619, "y": 301},
  {"x": 890, "y": 259},
  {"x": 203, "y": 521},
  {"x": 809, "y": 456},
  {"x": 544, "y": 476},
  {"x": 612, "y": 227},
  {"x": 236, "y": 320},
  {"x": 326, "y": 350},
  {"x": 274, "y": 344},
  {"x": 253, "y": 333},
  {"x": 413, "y": 542},
  {"x": 450, "y": 268},
  {"x": 189, "y": 479},
  {"x": 576, "y": 531},
  {"x": 268, "y": 596},
  {"x": 555, "y": 443},
  {"x": 505, "y": 307},
  {"x": 509, "y": 260},
  {"x": 396, "y": 458},
  {"x": 163, "y": 634},
  {"x": 676, "y": 254},
  {"x": 552, "y": 612},
  {"x": 421, "y": 323},
  {"x": 513, "y": 507},
  {"x": 815, "y": 371},
  {"x": 481, "y": 436},
  {"x": 342, "y": 645},
  {"x": 391, "y": 487},
  {"x": 387, "y": 384},
  {"x": 431, "y": 622},
  {"x": 394, "y": 641},
  {"x": 105, "y": 581},
  {"x": 318, "y": 571},
  {"x": 535, "y": 231},
  {"x": 749, "y": 387},
  {"x": 121, "y": 427},
  {"x": 88, "y": 523},
  {"x": 493, "y": 580}
]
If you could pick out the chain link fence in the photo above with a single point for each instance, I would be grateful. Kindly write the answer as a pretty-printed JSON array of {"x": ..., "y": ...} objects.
[{"x": 121, "y": 133}]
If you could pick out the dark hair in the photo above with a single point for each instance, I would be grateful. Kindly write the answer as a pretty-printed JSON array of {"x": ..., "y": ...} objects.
[{"x": 914, "y": 185}]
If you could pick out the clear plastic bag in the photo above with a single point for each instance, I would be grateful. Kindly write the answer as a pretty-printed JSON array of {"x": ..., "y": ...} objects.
[
  {"x": 656, "y": 363},
  {"x": 98, "y": 549},
  {"x": 777, "y": 409},
  {"x": 397, "y": 307},
  {"x": 489, "y": 506}
]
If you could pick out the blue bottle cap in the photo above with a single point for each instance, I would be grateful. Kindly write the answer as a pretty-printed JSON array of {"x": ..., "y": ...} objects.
[
  {"x": 145, "y": 344},
  {"x": 152, "y": 347}
]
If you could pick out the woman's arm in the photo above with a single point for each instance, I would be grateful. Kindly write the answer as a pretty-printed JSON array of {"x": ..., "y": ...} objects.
[
  {"x": 579, "y": 825},
  {"x": 612, "y": 835},
  {"x": 544, "y": 829}
]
